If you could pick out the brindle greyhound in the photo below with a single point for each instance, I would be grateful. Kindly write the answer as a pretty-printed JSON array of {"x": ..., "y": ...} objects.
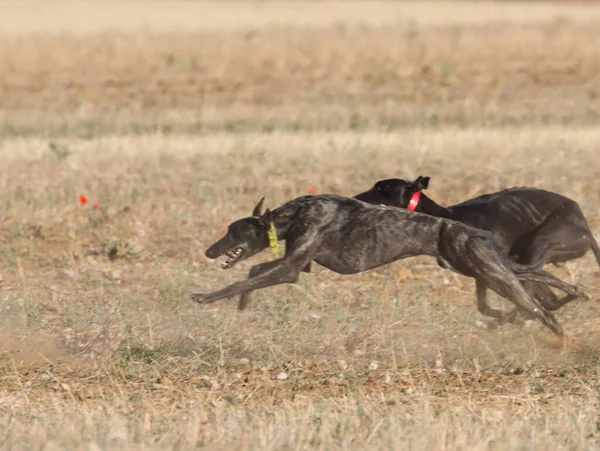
[
  {"x": 533, "y": 227},
  {"x": 349, "y": 236}
]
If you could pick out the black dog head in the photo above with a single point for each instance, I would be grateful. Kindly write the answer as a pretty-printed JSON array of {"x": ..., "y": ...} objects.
[
  {"x": 393, "y": 192},
  {"x": 244, "y": 238}
]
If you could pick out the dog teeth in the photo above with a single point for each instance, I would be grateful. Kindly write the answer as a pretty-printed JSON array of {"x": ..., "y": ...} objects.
[{"x": 232, "y": 256}]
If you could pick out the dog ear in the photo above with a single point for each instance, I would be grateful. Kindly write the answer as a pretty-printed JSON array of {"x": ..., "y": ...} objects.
[
  {"x": 266, "y": 219},
  {"x": 422, "y": 182},
  {"x": 258, "y": 208}
]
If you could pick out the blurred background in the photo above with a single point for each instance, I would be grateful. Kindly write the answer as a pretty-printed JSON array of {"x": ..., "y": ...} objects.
[{"x": 88, "y": 68}]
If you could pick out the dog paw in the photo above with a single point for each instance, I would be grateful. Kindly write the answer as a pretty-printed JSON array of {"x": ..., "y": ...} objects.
[{"x": 198, "y": 297}]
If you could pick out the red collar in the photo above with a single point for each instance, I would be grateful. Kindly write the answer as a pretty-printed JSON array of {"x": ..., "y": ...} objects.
[{"x": 414, "y": 201}]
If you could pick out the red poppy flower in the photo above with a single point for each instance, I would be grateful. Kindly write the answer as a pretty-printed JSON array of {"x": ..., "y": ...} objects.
[
  {"x": 82, "y": 199},
  {"x": 312, "y": 189},
  {"x": 96, "y": 206}
]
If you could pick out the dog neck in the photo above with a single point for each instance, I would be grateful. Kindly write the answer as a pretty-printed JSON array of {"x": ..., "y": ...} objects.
[
  {"x": 429, "y": 207},
  {"x": 282, "y": 218}
]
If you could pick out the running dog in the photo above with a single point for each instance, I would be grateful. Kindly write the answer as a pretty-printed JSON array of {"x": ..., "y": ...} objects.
[
  {"x": 533, "y": 226},
  {"x": 349, "y": 236}
]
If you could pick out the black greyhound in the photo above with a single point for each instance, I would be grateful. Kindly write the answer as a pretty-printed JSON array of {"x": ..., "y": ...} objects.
[
  {"x": 348, "y": 236},
  {"x": 533, "y": 226}
]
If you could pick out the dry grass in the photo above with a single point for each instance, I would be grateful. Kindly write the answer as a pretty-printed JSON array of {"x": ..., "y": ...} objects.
[
  {"x": 100, "y": 347},
  {"x": 365, "y": 356}
]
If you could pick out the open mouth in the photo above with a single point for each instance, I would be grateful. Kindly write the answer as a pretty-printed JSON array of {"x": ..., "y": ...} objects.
[{"x": 233, "y": 255}]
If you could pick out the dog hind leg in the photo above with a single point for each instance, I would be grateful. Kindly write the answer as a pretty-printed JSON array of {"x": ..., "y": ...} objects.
[
  {"x": 482, "y": 305},
  {"x": 564, "y": 235},
  {"x": 547, "y": 278},
  {"x": 546, "y": 297},
  {"x": 493, "y": 270}
]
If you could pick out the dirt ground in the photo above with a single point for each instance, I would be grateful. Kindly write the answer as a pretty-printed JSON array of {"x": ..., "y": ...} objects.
[{"x": 172, "y": 122}]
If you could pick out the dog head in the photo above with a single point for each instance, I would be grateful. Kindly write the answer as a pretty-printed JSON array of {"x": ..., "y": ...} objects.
[
  {"x": 244, "y": 238},
  {"x": 393, "y": 192}
]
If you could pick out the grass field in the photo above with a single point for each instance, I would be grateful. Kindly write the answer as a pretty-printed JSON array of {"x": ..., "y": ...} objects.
[{"x": 178, "y": 128}]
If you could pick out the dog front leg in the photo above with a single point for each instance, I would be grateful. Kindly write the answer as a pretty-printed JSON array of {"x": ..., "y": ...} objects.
[
  {"x": 254, "y": 272},
  {"x": 281, "y": 272}
]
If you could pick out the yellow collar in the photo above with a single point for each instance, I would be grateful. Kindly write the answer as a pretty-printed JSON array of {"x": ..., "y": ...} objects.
[{"x": 273, "y": 241}]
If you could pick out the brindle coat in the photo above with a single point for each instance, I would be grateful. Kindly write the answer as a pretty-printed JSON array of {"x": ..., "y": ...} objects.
[{"x": 349, "y": 236}]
